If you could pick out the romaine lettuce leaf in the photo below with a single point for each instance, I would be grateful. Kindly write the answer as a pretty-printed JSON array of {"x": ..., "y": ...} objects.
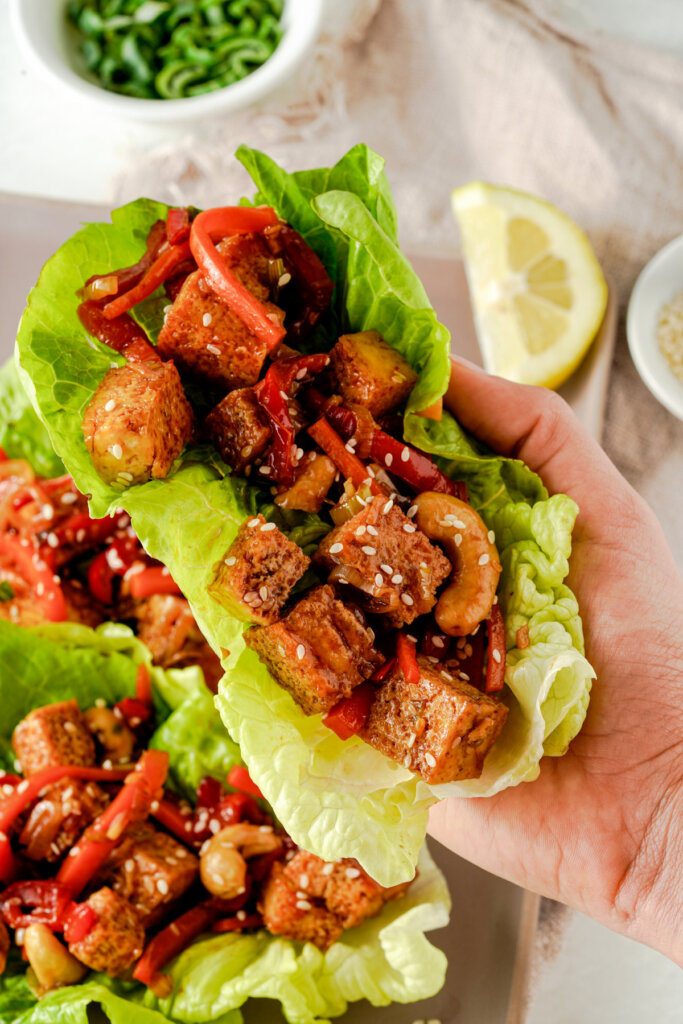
[
  {"x": 22, "y": 435},
  {"x": 336, "y": 799}
]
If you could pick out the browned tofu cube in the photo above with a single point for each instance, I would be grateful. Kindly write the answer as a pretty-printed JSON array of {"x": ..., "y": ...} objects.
[
  {"x": 313, "y": 477},
  {"x": 288, "y": 912},
  {"x": 150, "y": 870},
  {"x": 390, "y": 563},
  {"x": 202, "y": 334},
  {"x": 372, "y": 373},
  {"x": 63, "y": 811},
  {"x": 137, "y": 423},
  {"x": 258, "y": 572},
  {"x": 441, "y": 728},
  {"x": 239, "y": 428},
  {"x": 115, "y": 941},
  {"x": 319, "y": 651},
  {"x": 53, "y": 735}
]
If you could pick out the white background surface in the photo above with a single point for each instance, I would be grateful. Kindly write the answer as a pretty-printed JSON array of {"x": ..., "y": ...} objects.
[{"x": 416, "y": 92}]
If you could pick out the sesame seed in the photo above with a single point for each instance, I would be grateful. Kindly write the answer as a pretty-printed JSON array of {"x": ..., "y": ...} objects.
[
  {"x": 492, "y": 537},
  {"x": 282, "y": 280},
  {"x": 496, "y": 656},
  {"x": 214, "y": 826},
  {"x": 409, "y": 528},
  {"x": 40, "y": 590},
  {"x": 336, "y": 548},
  {"x": 413, "y": 639},
  {"x": 352, "y": 873},
  {"x": 206, "y": 319},
  {"x": 407, "y": 599},
  {"x": 412, "y": 511},
  {"x": 299, "y": 454},
  {"x": 379, "y": 579},
  {"x": 284, "y": 396},
  {"x": 476, "y": 629},
  {"x": 111, "y": 404},
  {"x": 411, "y": 740},
  {"x": 386, "y": 568},
  {"x": 360, "y": 531},
  {"x": 265, "y": 828},
  {"x": 253, "y": 523},
  {"x": 250, "y": 596},
  {"x": 213, "y": 349},
  {"x": 397, "y": 578},
  {"x": 23, "y": 786},
  {"x": 495, "y": 600},
  {"x": 241, "y": 915},
  {"x": 372, "y": 531},
  {"x": 100, "y": 702},
  {"x": 327, "y": 869},
  {"x": 126, "y": 477},
  {"x": 438, "y": 641},
  {"x": 458, "y": 539},
  {"x": 484, "y": 559},
  {"x": 388, "y": 459},
  {"x": 68, "y": 499},
  {"x": 303, "y": 905},
  {"x": 263, "y": 592},
  {"x": 405, "y": 454},
  {"x": 303, "y": 881},
  {"x": 367, "y": 549},
  {"x": 388, "y": 507},
  {"x": 116, "y": 450},
  {"x": 349, "y": 446},
  {"x": 463, "y": 675},
  {"x": 300, "y": 374},
  {"x": 430, "y": 759},
  {"x": 267, "y": 527},
  {"x": 264, "y": 470},
  {"x": 231, "y": 560},
  {"x": 301, "y": 652},
  {"x": 468, "y": 650}
]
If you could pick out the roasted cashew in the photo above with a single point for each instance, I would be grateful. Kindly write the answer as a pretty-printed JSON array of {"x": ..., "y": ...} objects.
[
  {"x": 52, "y": 963},
  {"x": 113, "y": 734},
  {"x": 223, "y": 859},
  {"x": 466, "y": 541}
]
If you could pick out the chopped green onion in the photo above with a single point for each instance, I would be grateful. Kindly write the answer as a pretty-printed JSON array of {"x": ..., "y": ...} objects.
[{"x": 6, "y": 591}]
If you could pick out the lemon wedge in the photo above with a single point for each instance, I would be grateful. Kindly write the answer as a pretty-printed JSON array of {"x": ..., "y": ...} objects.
[{"x": 537, "y": 289}]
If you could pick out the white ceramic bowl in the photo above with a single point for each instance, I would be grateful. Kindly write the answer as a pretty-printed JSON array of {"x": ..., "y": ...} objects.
[
  {"x": 658, "y": 283},
  {"x": 42, "y": 30}
]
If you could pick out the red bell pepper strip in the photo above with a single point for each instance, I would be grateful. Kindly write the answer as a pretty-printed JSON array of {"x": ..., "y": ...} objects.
[
  {"x": 143, "y": 685},
  {"x": 121, "y": 334},
  {"x": 81, "y": 529},
  {"x": 8, "y": 865},
  {"x": 58, "y": 483},
  {"x": 348, "y": 464},
  {"x": 236, "y": 924},
  {"x": 132, "y": 803},
  {"x": 79, "y": 920},
  {"x": 155, "y": 580},
  {"x": 209, "y": 793},
  {"x": 178, "y": 225},
  {"x": 350, "y": 715},
  {"x": 239, "y": 778},
  {"x": 36, "y": 572},
  {"x": 413, "y": 467},
  {"x": 175, "y": 821},
  {"x": 311, "y": 281},
  {"x": 28, "y": 789},
  {"x": 48, "y": 900},
  {"x": 134, "y": 711},
  {"x": 407, "y": 659},
  {"x": 115, "y": 561},
  {"x": 495, "y": 669},
  {"x": 381, "y": 673},
  {"x": 230, "y": 220},
  {"x": 163, "y": 267},
  {"x": 126, "y": 277}
]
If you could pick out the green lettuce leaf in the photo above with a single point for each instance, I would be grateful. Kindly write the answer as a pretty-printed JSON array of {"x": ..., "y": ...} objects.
[
  {"x": 22, "y": 435},
  {"x": 337, "y": 799}
]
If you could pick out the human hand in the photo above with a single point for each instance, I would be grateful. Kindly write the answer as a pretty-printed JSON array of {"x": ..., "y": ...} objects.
[{"x": 600, "y": 829}]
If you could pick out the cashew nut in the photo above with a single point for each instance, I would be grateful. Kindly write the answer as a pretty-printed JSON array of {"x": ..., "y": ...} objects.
[
  {"x": 476, "y": 567},
  {"x": 113, "y": 734},
  {"x": 223, "y": 860},
  {"x": 52, "y": 964}
]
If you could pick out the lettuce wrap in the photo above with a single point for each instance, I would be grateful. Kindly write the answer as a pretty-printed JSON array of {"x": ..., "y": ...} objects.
[
  {"x": 335, "y": 798},
  {"x": 386, "y": 959}
]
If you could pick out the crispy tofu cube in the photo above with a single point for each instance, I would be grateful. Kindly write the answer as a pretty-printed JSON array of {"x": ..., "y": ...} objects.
[
  {"x": 257, "y": 574},
  {"x": 239, "y": 428},
  {"x": 58, "y": 818},
  {"x": 441, "y": 728},
  {"x": 288, "y": 913},
  {"x": 319, "y": 651},
  {"x": 53, "y": 735},
  {"x": 115, "y": 941},
  {"x": 202, "y": 334},
  {"x": 137, "y": 423},
  {"x": 150, "y": 870},
  {"x": 371, "y": 372},
  {"x": 392, "y": 566},
  {"x": 313, "y": 477}
]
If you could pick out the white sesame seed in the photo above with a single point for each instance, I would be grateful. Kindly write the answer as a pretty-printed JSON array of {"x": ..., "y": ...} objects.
[
  {"x": 496, "y": 656},
  {"x": 495, "y": 600},
  {"x": 214, "y": 826},
  {"x": 23, "y": 786},
  {"x": 299, "y": 454},
  {"x": 68, "y": 499},
  {"x": 206, "y": 319},
  {"x": 458, "y": 539},
  {"x": 241, "y": 915},
  {"x": 379, "y": 579},
  {"x": 349, "y": 446},
  {"x": 367, "y": 549},
  {"x": 484, "y": 559},
  {"x": 463, "y": 675},
  {"x": 336, "y": 548},
  {"x": 303, "y": 881},
  {"x": 492, "y": 537},
  {"x": 468, "y": 650},
  {"x": 282, "y": 280},
  {"x": 303, "y": 905},
  {"x": 231, "y": 560},
  {"x": 111, "y": 404},
  {"x": 250, "y": 596},
  {"x": 19, "y": 936},
  {"x": 300, "y": 374},
  {"x": 284, "y": 396},
  {"x": 327, "y": 869},
  {"x": 409, "y": 528},
  {"x": 352, "y": 873},
  {"x": 411, "y": 740},
  {"x": 438, "y": 641},
  {"x": 372, "y": 531},
  {"x": 263, "y": 592},
  {"x": 213, "y": 349},
  {"x": 412, "y": 511},
  {"x": 267, "y": 527},
  {"x": 264, "y": 470},
  {"x": 388, "y": 507},
  {"x": 397, "y": 578},
  {"x": 430, "y": 759},
  {"x": 386, "y": 568},
  {"x": 388, "y": 459},
  {"x": 253, "y": 523},
  {"x": 116, "y": 450},
  {"x": 405, "y": 454},
  {"x": 126, "y": 477},
  {"x": 407, "y": 599},
  {"x": 40, "y": 590},
  {"x": 301, "y": 652}
]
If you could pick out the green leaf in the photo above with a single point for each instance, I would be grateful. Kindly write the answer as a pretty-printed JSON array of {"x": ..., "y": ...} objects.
[{"x": 22, "y": 435}]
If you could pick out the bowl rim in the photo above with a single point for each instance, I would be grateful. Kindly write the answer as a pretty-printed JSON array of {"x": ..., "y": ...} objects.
[
  {"x": 301, "y": 21},
  {"x": 650, "y": 363}
]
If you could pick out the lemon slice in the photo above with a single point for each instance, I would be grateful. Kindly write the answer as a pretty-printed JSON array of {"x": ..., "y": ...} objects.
[{"x": 537, "y": 289}]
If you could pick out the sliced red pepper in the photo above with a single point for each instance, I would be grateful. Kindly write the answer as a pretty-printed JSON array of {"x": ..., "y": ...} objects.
[
  {"x": 348, "y": 464},
  {"x": 209, "y": 793},
  {"x": 239, "y": 778},
  {"x": 126, "y": 277},
  {"x": 8, "y": 864},
  {"x": 79, "y": 920},
  {"x": 178, "y": 225},
  {"x": 495, "y": 669},
  {"x": 164, "y": 266},
  {"x": 413, "y": 467},
  {"x": 155, "y": 580},
  {"x": 81, "y": 529},
  {"x": 28, "y": 789},
  {"x": 381, "y": 673},
  {"x": 176, "y": 821},
  {"x": 134, "y": 711},
  {"x": 229, "y": 220},
  {"x": 311, "y": 281},
  {"x": 121, "y": 334},
  {"x": 350, "y": 715},
  {"x": 48, "y": 902},
  {"x": 132, "y": 803},
  {"x": 143, "y": 686},
  {"x": 407, "y": 659},
  {"x": 37, "y": 574},
  {"x": 115, "y": 561},
  {"x": 236, "y": 924},
  {"x": 58, "y": 483}
]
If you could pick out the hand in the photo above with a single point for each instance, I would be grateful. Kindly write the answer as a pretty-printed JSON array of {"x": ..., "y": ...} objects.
[{"x": 600, "y": 829}]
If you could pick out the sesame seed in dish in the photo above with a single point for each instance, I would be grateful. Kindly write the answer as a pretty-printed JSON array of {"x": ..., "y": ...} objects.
[{"x": 670, "y": 334}]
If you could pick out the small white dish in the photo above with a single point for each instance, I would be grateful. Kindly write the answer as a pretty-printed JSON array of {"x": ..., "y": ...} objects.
[
  {"x": 46, "y": 39},
  {"x": 659, "y": 282}
]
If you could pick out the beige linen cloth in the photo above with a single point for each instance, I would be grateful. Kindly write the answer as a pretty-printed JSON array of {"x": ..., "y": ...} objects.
[{"x": 451, "y": 90}]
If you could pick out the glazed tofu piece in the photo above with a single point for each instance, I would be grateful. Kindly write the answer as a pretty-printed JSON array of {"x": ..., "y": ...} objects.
[
  {"x": 202, "y": 334},
  {"x": 371, "y": 372},
  {"x": 239, "y": 428},
  {"x": 314, "y": 901},
  {"x": 115, "y": 940},
  {"x": 390, "y": 563},
  {"x": 319, "y": 651},
  {"x": 63, "y": 811},
  {"x": 53, "y": 735},
  {"x": 440, "y": 728},
  {"x": 258, "y": 572},
  {"x": 150, "y": 870},
  {"x": 137, "y": 423},
  {"x": 313, "y": 477}
]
